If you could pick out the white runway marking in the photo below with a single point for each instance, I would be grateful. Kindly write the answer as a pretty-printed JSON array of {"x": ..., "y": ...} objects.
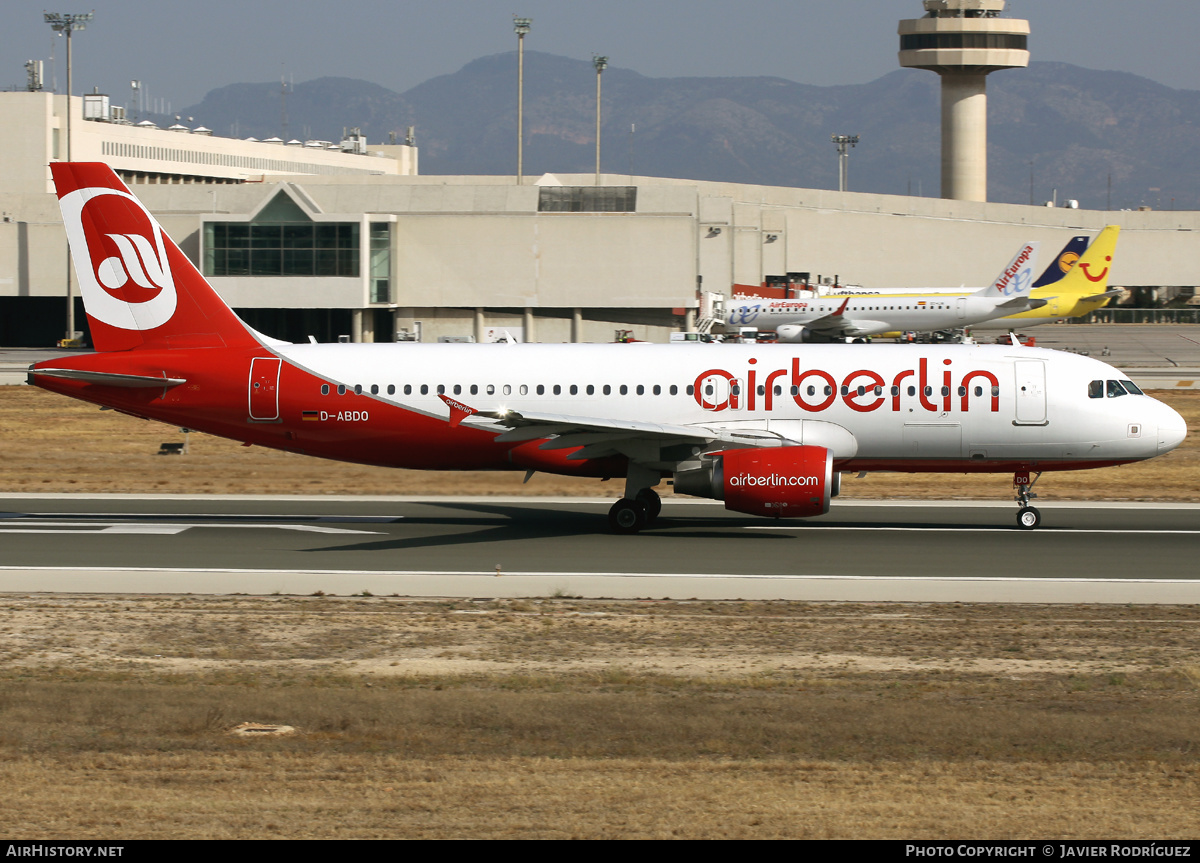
[
  {"x": 91, "y": 528},
  {"x": 425, "y": 573},
  {"x": 1051, "y": 531}
]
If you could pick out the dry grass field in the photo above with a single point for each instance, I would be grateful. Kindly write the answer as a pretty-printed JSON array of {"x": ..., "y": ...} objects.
[
  {"x": 567, "y": 718},
  {"x": 54, "y": 444}
]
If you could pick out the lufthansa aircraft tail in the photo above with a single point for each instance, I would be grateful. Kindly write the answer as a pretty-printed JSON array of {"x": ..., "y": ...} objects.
[
  {"x": 139, "y": 289},
  {"x": 1062, "y": 264},
  {"x": 1015, "y": 280}
]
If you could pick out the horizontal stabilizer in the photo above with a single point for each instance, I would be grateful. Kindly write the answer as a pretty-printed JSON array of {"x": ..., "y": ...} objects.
[
  {"x": 1022, "y": 304},
  {"x": 109, "y": 379}
]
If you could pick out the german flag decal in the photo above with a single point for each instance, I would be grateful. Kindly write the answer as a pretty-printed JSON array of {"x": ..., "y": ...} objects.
[{"x": 311, "y": 416}]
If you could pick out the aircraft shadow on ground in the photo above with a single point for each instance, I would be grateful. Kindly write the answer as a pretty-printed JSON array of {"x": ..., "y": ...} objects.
[
  {"x": 531, "y": 523},
  {"x": 526, "y": 523}
]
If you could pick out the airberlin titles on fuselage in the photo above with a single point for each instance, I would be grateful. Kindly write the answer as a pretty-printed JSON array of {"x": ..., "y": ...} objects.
[{"x": 856, "y": 386}]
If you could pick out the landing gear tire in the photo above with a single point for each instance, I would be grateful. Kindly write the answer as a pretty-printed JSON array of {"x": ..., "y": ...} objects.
[
  {"x": 627, "y": 516},
  {"x": 649, "y": 498},
  {"x": 1028, "y": 518}
]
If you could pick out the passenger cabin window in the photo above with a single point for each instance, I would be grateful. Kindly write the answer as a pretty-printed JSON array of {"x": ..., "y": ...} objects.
[{"x": 324, "y": 389}]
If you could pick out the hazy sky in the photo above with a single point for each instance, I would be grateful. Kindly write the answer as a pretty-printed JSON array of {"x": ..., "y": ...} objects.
[{"x": 180, "y": 51}]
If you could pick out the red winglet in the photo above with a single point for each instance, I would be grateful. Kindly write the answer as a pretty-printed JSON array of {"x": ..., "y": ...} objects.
[
  {"x": 458, "y": 411},
  {"x": 843, "y": 307}
]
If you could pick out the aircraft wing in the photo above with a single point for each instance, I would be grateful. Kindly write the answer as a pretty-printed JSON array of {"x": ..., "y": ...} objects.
[
  {"x": 598, "y": 437},
  {"x": 835, "y": 323}
]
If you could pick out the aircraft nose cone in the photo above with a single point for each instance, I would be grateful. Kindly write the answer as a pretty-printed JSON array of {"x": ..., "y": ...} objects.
[{"x": 1172, "y": 429}]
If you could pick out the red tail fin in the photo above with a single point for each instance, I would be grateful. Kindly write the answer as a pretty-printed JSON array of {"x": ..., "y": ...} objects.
[{"x": 138, "y": 288}]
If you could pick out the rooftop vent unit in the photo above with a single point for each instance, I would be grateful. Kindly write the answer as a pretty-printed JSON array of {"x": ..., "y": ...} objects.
[
  {"x": 354, "y": 142},
  {"x": 96, "y": 107}
]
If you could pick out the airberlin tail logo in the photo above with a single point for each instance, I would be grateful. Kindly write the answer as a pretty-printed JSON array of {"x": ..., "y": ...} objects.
[
  {"x": 138, "y": 262},
  {"x": 121, "y": 258}
]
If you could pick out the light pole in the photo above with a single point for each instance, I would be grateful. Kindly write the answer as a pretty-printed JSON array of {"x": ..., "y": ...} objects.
[
  {"x": 521, "y": 26},
  {"x": 844, "y": 143},
  {"x": 601, "y": 63},
  {"x": 68, "y": 23}
]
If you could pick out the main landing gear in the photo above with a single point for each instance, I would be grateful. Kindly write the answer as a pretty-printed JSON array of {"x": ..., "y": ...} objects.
[
  {"x": 629, "y": 515},
  {"x": 1027, "y": 516},
  {"x": 640, "y": 506}
]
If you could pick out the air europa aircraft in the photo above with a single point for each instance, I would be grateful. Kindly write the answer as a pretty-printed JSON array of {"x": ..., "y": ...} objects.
[
  {"x": 826, "y": 319},
  {"x": 765, "y": 429}
]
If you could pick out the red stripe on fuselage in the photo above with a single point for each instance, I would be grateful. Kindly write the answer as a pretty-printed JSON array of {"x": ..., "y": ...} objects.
[{"x": 373, "y": 431}]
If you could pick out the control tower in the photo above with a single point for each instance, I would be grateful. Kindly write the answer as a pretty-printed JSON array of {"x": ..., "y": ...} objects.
[{"x": 963, "y": 41}]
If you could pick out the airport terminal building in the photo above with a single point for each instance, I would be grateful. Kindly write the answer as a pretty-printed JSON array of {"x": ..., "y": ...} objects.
[{"x": 329, "y": 239}]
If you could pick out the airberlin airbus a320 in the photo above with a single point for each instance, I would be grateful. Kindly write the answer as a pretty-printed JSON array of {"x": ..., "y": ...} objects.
[{"x": 766, "y": 428}]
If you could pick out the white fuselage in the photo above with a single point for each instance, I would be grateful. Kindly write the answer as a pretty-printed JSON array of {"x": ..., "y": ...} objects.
[
  {"x": 889, "y": 405},
  {"x": 871, "y": 315}
]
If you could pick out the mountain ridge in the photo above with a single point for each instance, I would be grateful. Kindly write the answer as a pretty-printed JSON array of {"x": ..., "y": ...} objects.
[{"x": 1068, "y": 126}]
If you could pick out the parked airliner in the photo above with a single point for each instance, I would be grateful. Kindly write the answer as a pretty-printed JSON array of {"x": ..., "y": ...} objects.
[
  {"x": 765, "y": 429},
  {"x": 854, "y": 316}
]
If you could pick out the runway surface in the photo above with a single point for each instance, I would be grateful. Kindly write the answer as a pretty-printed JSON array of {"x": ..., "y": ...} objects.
[{"x": 471, "y": 547}]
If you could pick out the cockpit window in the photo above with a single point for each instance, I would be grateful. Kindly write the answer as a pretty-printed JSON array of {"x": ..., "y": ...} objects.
[
  {"x": 1132, "y": 388},
  {"x": 1096, "y": 390},
  {"x": 1115, "y": 389}
]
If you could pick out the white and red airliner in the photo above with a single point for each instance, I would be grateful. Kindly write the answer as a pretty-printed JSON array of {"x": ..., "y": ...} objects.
[{"x": 766, "y": 428}]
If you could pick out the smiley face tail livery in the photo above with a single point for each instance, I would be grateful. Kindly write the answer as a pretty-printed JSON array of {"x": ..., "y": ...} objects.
[
  {"x": 1088, "y": 279},
  {"x": 138, "y": 288}
]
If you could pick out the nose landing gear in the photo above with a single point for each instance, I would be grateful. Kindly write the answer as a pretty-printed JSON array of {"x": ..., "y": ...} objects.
[{"x": 1027, "y": 516}]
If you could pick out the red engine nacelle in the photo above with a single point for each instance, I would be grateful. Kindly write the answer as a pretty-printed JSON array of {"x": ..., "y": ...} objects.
[{"x": 783, "y": 482}]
